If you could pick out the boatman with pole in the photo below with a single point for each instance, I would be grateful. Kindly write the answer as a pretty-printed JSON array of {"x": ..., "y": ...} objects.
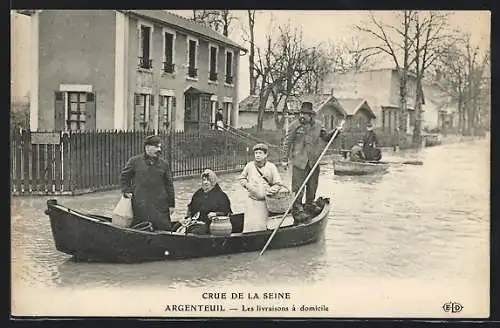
[
  {"x": 305, "y": 110},
  {"x": 304, "y": 143}
]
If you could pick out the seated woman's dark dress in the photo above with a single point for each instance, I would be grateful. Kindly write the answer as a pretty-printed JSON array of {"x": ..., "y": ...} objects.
[
  {"x": 206, "y": 200},
  {"x": 214, "y": 200}
]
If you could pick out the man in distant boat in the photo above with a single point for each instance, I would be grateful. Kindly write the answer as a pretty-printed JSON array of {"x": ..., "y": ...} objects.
[
  {"x": 304, "y": 143},
  {"x": 357, "y": 154},
  {"x": 370, "y": 144},
  {"x": 147, "y": 180}
]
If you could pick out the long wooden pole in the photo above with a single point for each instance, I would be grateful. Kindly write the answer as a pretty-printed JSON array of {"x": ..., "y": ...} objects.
[{"x": 301, "y": 187}]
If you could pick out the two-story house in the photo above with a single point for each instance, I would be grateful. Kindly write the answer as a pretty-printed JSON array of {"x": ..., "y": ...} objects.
[{"x": 129, "y": 69}]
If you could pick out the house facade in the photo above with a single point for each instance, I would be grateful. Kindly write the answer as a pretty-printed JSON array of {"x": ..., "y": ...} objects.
[
  {"x": 380, "y": 88},
  {"x": 129, "y": 69}
]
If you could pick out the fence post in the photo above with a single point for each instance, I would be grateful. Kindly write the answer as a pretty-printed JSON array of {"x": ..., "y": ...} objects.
[
  {"x": 170, "y": 149},
  {"x": 26, "y": 160},
  {"x": 18, "y": 147},
  {"x": 66, "y": 161},
  {"x": 58, "y": 165}
]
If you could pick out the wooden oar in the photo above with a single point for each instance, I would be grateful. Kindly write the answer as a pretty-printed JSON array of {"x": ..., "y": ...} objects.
[
  {"x": 300, "y": 189},
  {"x": 403, "y": 162}
]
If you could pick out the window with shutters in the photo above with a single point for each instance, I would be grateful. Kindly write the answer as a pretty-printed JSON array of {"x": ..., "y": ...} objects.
[
  {"x": 77, "y": 103},
  {"x": 145, "y": 46},
  {"x": 168, "y": 51},
  {"x": 214, "y": 108},
  {"x": 165, "y": 112},
  {"x": 142, "y": 105},
  {"x": 229, "y": 68},
  {"x": 228, "y": 108},
  {"x": 212, "y": 75},
  {"x": 192, "y": 61}
]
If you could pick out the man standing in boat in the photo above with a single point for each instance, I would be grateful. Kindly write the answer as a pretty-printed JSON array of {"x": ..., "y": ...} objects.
[
  {"x": 147, "y": 179},
  {"x": 370, "y": 143},
  {"x": 304, "y": 143}
]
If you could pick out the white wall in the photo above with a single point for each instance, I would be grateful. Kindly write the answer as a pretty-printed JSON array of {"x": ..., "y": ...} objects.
[{"x": 20, "y": 51}]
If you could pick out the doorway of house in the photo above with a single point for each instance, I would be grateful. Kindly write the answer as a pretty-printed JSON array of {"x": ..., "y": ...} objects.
[{"x": 197, "y": 110}]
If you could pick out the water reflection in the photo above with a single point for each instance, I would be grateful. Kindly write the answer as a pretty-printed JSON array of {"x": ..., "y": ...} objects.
[
  {"x": 362, "y": 179},
  {"x": 303, "y": 266}
]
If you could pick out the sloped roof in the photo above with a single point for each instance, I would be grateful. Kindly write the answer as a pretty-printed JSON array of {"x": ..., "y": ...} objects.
[
  {"x": 251, "y": 103},
  {"x": 185, "y": 24},
  {"x": 351, "y": 106}
]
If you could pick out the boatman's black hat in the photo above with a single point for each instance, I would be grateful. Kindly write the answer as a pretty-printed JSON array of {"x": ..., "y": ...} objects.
[{"x": 307, "y": 107}]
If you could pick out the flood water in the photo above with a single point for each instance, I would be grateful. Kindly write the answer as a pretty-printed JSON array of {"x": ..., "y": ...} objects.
[{"x": 398, "y": 244}]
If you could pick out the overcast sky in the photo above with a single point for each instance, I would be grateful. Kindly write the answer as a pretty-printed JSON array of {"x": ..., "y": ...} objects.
[{"x": 322, "y": 26}]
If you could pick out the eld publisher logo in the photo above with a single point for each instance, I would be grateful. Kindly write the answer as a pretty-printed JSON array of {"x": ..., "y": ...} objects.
[{"x": 452, "y": 307}]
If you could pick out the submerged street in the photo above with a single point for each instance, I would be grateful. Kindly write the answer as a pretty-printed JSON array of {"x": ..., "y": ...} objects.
[{"x": 414, "y": 233}]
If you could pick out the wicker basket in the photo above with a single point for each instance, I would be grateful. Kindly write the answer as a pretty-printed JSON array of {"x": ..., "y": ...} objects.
[{"x": 279, "y": 202}]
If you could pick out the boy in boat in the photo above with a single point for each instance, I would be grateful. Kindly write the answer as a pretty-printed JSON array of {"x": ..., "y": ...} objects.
[
  {"x": 147, "y": 179},
  {"x": 208, "y": 199},
  {"x": 303, "y": 145},
  {"x": 357, "y": 154},
  {"x": 259, "y": 177}
]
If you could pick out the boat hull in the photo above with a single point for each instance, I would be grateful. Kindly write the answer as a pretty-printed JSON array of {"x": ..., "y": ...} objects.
[
  {"x": 358, "y": 168},
  {"x": 93, "y": 238}
]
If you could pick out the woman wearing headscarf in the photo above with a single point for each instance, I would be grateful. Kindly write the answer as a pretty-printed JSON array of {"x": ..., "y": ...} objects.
[
  {"x": 209, "y": 198},
  {"x": 259, "y": 177}
]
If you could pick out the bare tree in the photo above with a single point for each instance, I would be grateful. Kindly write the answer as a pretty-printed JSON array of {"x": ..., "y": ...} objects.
[
  {"x": 350, "y": 56},
  {"x": 394, "y": 41},
  {"x": 451, "y": 75},
  {"x": 296, "y": 60},
  {"x": 226, "y": 18},
  {"x": 209, "y": 18},
  {"x": 218, "y": 20},
  {"x": 251, "y": 29},
  {"x": 267, "y": 61},
  {"x": 431, "y": 38},
  {"x": 320, "y": 65},
  {"x": 337, "y": 57}
]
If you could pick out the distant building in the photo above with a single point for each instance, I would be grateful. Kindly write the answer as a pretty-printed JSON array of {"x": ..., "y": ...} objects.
[
  {"x": 380, "y": 88},
  {"x": 129, "y": 69}
]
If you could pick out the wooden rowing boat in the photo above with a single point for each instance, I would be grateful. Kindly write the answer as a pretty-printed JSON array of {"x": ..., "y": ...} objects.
[
  {"x": 93, "y": 238},
  {"x": 346, "y": 167}
]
